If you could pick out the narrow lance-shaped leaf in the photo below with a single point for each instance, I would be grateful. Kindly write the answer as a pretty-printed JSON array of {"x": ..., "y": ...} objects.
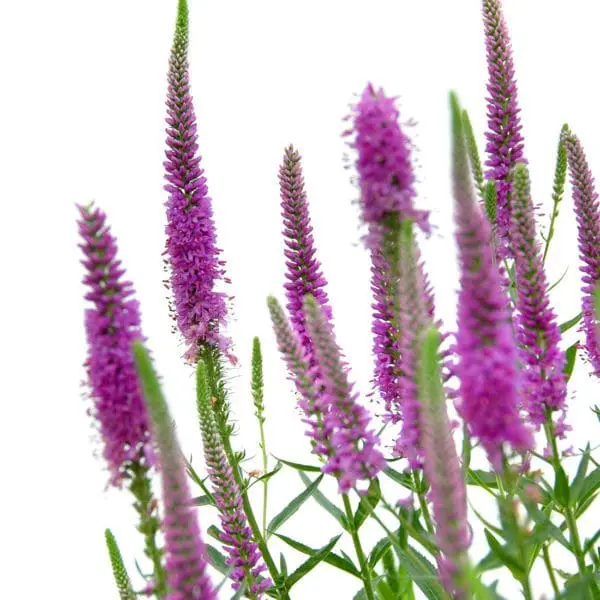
[{"x": 310, "y": 563}]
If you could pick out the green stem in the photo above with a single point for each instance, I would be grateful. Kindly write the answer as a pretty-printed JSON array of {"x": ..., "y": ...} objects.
[
  {"x": 507, "y": 484},
  {"x": 253, "y": 523},
  {"x": 149, "y": 525},
  {"x": 550, "y": 234},
  {"x": 466, "y": 450},
  {"x": 360, "y": 555},
  {"x": 221, "y": 406},
  {"x": 419, "y": 485},
  {"x": 548, "y": 563},
  {"x": 265, "y": 458},
  {"x": 524, "y": 560},
  {"x": 568, "y": 510},
  {"x": 575, "y": 540}
]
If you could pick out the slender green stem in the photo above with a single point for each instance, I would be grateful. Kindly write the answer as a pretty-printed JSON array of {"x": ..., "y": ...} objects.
[
  {"x": 524, "y": 559},
  {"x": 408, "y": 527},
  {"x": 568, "y": 510},
  {"x": 548, "y": 563},
  {"x": 260, "y": 540},
  {"x": 466, "y": 450},
  {"x": 550, "y": 234},
  {"x": 575, "y": 540},
  {"x": 265, "y": 458},
  {"x": 507, "y": 485},
  {"x": 365, "y": 570},
  {"x": 419, "y": 486},
  {"x": 221, "y": 407},
  {"x": 149, "y": 525}
]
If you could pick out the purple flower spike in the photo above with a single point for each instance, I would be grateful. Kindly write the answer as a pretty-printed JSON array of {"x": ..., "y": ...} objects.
[
  {"x": 200, "y": 311},
  {"x": 443, "y": 470},
  {"x": 244, "y": 556},
  {"x": 304, "y": 273},
  {"x": 186, "y": 563},
  {"x": 354, "y": 454},
  {"x": 545, "y": 386},
  {"x": 311, "y": 401},
  {"x": 504, "y": 139},
  {"x": 587, "y": 212},
  {"x": 112, "y": 324},
  {"x": 487, "y": 352},
  {"x": 387, "y": 193},
  {"x": 385, "y": 174},
  {"x": 386, "y": 332}
]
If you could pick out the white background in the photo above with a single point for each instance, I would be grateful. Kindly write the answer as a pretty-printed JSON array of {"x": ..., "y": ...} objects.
[{"x": 82, "y": 109}]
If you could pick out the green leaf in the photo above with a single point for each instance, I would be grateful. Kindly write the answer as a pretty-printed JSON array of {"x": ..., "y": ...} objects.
[
  {"x": 585, "y": 505},
  {"x": 490, "y": 526},
  {"x": 367, "y": 503},
  {"x": 379, "y": 549},
  {"x": 571, "y": 356},
  {"x": 421, "y": 571},
  {"x": 577, "y": 586},
  {"x": 489, "y": 563},
  {"x": 577, "y": 484},
  {"x": 240, "y": 592},
  {"x": 589, "y": 486},
  {"x": 561, "y": 487},
  {"x": 298, "y": 466},
  {"x": 216, "y": 560},
  {"x": 385, "y": 592},
  {"x": 589, "y": 543},
  {"x": 558, "y": 280},
  {"x": 483, "y": 479},
  {"x": 342, "y": 563},
  {"x": 265, "y": 476},
  {"x": 309, "y": 564},
  {"x": 504, "y": 556},
  {"x": 283, "y": 569},
  {"x": 403, "y": 479},
  {"x": 361, "y": 594},
  {"x": 293, "y": 506},
  {"x": 215, "y": 533},
  {"x": 325, "y": 503},
  {"x": 570, "y": 323},
  {"x": 544, "y": 527},
  {"x": 202, "y": 501},
  {"x": 196, "y": 479}
]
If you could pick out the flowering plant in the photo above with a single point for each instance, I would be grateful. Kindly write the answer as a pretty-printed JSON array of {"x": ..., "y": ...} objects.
[{"x": 495, "y": 387}]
